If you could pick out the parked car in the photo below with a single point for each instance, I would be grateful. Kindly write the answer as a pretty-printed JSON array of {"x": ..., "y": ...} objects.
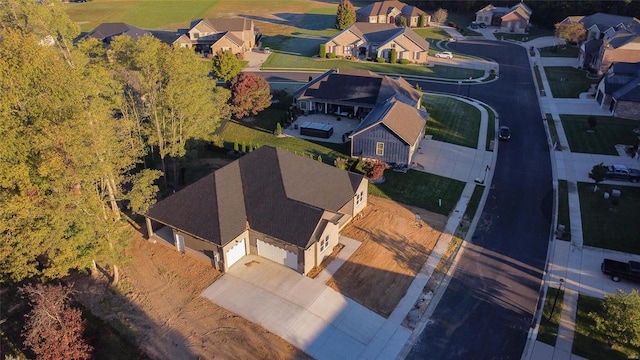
[
  {"x": 622, "y": 172},
  {"x": 445, "y": 55},
  {"x": 474, "y": 25},
  {"x": 621, "y": 270},
  {"x": 267, "y": 50},
  {"x": 483, "y": 25},
  {"x": 504, "y": 133}
]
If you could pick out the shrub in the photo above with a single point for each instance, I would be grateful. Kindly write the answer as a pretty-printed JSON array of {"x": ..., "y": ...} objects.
[
  {"x": 278, "y": 129},
  {"x": 403, "y": 61},
  {"x": 331, "y": 55},
  {"x": 323, "y": 51},
  {"x": 381, "y": 60},
  {"x": 393, "y": 56}
]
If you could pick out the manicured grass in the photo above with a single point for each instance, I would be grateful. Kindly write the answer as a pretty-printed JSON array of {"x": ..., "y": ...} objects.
[
  {"x": 548, "y": 331},
  {"x": 452, "y": 120},
  {"x": 609, "y": 132},
  {"x": 470, "y": 212},
  {"x": 534, "y": 32},
  {"x": 461, "y": 19},
  {"x": 536, "y": 70},
  {"x": 279, "y": 60},
  {"x": 420, "y": 189},
  {"x": 568, "y": 82},
  {"x": 589, "y": 342},
  {"x": 432, "y": 33},
  {"x": 560, "y": 51},
  {"x": 235, "y": 132},
  {"x": 563, "y": 205},
  {"x": 553, "y": 131},
  {"x": 609, "y": 226},
  {"x": 491, "y": 128}
]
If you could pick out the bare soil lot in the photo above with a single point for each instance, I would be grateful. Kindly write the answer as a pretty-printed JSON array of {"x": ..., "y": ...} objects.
[
  {"x": 158, "y": 297},
  {"x": 394, "y": 248}
]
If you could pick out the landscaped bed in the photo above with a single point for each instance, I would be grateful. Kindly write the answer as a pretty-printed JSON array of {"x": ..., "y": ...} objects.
[{"x": 394, "y": 248}]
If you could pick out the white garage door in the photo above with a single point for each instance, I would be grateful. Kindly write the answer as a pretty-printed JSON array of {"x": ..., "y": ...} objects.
[
  {"x": 277, "y": 254},
  {"x": 236, "y": 253}
]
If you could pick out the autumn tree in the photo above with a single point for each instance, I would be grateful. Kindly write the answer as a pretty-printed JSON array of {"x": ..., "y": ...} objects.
[
  {"x": 54, "y": 330},
  {"x": 225, "y": 65},
  {"x": 573, "y": 33},
  {"x": 375, "y": 169},
  {"x": 250, "y": 94},
  {"x": 619, "y": 319},
  {"x": 440, "y": 16},
  {"x": 346, "y": 15}
]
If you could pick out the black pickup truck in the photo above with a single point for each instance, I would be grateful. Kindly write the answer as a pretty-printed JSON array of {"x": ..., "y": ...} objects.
[{"x": 621, "y": 270}]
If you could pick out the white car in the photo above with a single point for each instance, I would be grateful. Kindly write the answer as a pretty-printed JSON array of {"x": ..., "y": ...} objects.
[{"x": 445, "y": 55}]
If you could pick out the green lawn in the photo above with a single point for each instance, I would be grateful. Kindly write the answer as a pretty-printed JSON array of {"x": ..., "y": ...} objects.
[
  {"x": 452, "y": 120},
  {"x": 536, "y": 70},
  {"x": 609, "y": 132},
  {"x": 560, "y": 51},
  {"x": 430, "y": 192},
  {"x": 563, "y": 205},
  {"x": 568, "y": 82},
  {"x": 553, "y": 131},
  {"x": 590, "y": 343},
  {"x": 548, "y": 331},
  {"x": 491, "y": 128},
  {"x": 432, "y": 33},
  {"x": 534, "y": 32},
  {"x": 279, "y": 60},
  {"x": 470, "y": 212},
  {"x": 235, "y": 132},
  {"x": 609, "y": 226}
]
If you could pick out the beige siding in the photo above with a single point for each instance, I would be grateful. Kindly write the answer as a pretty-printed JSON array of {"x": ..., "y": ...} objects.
[
  {"x": 226, "y": 43},
  {"x": 624, "y": 54},
  {"x": 313, "y": 256}
]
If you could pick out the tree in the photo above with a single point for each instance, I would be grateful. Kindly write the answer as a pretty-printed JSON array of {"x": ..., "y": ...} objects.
[
  {"x": 374, "y": 169},
  {"x": 225, "y": 65},
  {"x": 422, "y": 21},
  {"x": 346, "y": 15},
  {"x": 401, "y": 21},
  {"x": 393, "y": 56},
  {"x": 592, "y": 121},
  {"x": 620, "y": 318},
  {"x": 598, "y": 174},
  {"x": 322, "y": 53},
  {"x": 250, "y": 94},
  {"x": 418, "y": 87},
  {"x": 320, "y": 159},
  {"x": 278, "y": 129},
  {"x": 572, "y": 33},
  {"x": 53, "y": 329},
  {"x": 440, "y": 16}
]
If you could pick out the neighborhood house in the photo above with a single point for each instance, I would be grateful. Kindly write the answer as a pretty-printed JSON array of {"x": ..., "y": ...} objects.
[
  {"x": 364, "y": 40},
  {"x": 208, "y": 36},
  {"x": 619, "y": 90},
  {"x": 392, "y": 122},
  {"x": 512, "y": 19},
  {"x": 610, "y": 38},
  {"x": 272, "y": 203},
  {"x": 389, "y": 12}
]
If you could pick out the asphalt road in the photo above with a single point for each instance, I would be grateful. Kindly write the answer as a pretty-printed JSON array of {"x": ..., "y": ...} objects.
[{"x": 489, "y": 305}]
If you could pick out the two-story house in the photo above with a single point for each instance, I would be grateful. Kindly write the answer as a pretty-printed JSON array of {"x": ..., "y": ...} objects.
[
  {"x": 208, "y": 36},
  {"x": 388, "y": 12}
]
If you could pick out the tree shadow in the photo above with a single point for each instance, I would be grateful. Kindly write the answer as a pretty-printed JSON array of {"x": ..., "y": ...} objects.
[{"x": 299, "y": 20}]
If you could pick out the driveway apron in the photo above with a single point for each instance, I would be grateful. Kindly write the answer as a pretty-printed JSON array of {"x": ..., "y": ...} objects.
[{"x": 310, "y": 315}]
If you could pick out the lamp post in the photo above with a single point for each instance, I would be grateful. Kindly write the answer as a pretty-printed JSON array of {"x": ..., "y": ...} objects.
[
  {"x": 560, "y": 288},
  {"x": 469, "y": 86},
  {"x": 459, "y": 84}
]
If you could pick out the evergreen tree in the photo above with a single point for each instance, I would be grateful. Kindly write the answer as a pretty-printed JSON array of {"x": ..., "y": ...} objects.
[
  {"x": 346, "y": 15},
  {"x": 393, "y": 56}
]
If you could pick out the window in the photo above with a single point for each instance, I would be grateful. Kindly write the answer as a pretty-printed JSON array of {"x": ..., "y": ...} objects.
[
  {"x": 324, "y": 244},
  {"x": 359, "y": 198},
  {"x": 348, "y": 50},
  {"x": 393, "y": 46},
  {"x": 416, "y": 55},
  {"x": 380, "y": 148},
  {"x": 195, "y": 35},
  {"x": 226, "y": 48}
]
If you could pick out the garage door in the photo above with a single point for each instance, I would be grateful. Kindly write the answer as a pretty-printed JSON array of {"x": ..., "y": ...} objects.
[
  {"x": 278, "y": 254},
  {"x": 236, "y": 253}
]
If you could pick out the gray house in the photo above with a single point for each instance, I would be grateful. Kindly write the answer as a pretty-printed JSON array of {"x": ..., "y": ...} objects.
[
  {"x": 281, "y": 206},
  {"x": 619, "y": 90},
  {"x": 390, "y": 133}
]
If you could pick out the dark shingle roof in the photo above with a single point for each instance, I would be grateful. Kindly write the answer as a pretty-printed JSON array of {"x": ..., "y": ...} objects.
[
  {"x": 105, "y": 31},
  {"x": 277, "y": 193},
  {"x": 383, "y": 8},
  {"x": 225, "y": 24}
]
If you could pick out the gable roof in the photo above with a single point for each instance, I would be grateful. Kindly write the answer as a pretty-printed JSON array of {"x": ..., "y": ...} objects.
[
  {"x": 106, "y": 31},
  {"x": 621, "y": 38},
  {"x": 384, "y": 8},
  {"x": 402, "y": 119},
  {"x": 357, "y": 86},
  {"x": 224, "y": 24},
  {"x": 273, "y": 191},
  {"x": 521, "y": 8},
  {"x": 604, "y": 21},
  {"x": 622, "y": 81}
]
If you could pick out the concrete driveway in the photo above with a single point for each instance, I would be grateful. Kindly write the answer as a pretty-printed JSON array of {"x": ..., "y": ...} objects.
[
  {"x": 311, "y": 316},
  {"x": 592, "y": 281}
]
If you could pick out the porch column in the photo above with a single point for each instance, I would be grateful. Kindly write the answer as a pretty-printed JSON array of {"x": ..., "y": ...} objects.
[
  {"x": 326, "y": 105},
  {"x": 149, "y": 227}
]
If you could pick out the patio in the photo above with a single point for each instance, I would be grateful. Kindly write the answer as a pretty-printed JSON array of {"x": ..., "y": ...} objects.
[{"x": 340, "y": 127}]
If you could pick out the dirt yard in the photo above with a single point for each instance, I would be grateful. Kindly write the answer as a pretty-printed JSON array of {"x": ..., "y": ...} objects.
[
  {"x": 394, "y": 248},
  {"x": 159, "y": 298}
]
